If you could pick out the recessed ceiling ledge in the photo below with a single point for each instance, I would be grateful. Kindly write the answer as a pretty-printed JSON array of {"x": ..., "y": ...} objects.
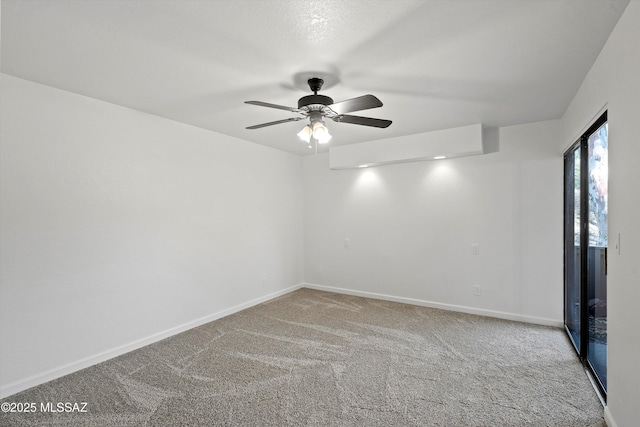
[{"x": 470, "y": 140}]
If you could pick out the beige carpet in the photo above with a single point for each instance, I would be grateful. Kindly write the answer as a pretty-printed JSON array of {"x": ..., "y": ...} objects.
[{"x": 324, "y": 359}]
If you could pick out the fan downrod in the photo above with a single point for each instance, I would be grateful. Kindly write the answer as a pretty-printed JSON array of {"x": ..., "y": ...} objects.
[
  {"x": 315, "y": 84},
  {"x": 315, "y": 101}
]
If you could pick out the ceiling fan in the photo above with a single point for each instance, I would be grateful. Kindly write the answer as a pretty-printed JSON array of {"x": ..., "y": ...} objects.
[{"x": 318, "y": 107}]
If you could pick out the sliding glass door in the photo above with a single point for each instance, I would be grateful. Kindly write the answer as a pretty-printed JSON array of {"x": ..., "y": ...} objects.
[
  {"x": 572, "y": 231},
  {"x": 585, "y": 237},
  {"x": 597, "y": 147}
]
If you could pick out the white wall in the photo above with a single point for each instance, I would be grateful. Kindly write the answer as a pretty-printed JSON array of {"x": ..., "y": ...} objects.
[
  {"x": 410, "y": 228},
  {"x": 118, "y": 226},
  {"x": 614, "y": 81}
]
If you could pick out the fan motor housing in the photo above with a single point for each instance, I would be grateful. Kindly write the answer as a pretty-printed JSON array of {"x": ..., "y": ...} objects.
[{"x": 314, "y": 99}]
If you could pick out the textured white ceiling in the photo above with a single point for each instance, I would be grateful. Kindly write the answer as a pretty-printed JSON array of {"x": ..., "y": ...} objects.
[{"x": 434, "y": 64}]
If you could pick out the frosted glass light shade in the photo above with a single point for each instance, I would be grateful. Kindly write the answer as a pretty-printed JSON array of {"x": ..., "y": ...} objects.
[
  {"x": 305, "y": 134},
  {"x": 321, "y": 133}
]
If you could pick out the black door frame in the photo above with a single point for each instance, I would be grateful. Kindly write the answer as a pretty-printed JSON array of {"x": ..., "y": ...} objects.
[{"x": 582, "y": 143}]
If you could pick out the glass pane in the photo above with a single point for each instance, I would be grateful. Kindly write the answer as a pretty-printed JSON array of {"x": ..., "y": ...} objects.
[
  {"x": 597, "y": 283},
  {"x": 572, "y": 242}
]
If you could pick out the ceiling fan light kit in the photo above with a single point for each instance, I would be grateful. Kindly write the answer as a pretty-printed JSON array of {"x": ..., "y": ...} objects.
[
  {"x": 305, "y": 134},
  {"x": 318, "y": 107}
]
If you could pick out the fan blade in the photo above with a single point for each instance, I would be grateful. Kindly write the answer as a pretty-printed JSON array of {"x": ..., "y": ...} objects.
[
  {"x": 277, "y": 122},
  {"x": 356, "y": 104},
  {"x": 364, "y": 121},
  {"x": 266, "y": 104}
]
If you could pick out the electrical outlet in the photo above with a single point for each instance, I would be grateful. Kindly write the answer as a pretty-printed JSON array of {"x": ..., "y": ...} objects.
[
  {"x": 475, "y": 249},
  {"x": 477, "y": 290}
]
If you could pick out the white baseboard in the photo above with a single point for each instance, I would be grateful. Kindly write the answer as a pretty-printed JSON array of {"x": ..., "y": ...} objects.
[
  {"x": 608, "y": 418},
  {"x": 41, "y": 378},
  {"x": 52, "y": 374},
  {"x": 443, "y": 306}
]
